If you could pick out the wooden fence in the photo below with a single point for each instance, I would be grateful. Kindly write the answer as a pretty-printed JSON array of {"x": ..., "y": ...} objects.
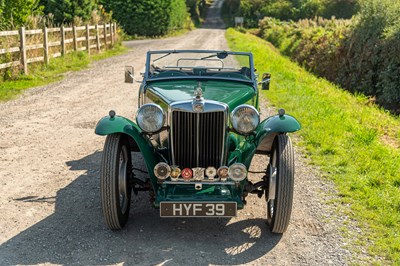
[{"x": 63, "y": 40}]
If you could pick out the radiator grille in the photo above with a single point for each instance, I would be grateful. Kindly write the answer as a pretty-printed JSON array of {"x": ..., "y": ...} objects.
[{"x": 197, "y": 138}]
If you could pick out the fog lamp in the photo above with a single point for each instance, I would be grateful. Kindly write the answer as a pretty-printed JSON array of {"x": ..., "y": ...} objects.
[
  {"x": 237, "y": 172},
  {"x": 162, "y": 171}
]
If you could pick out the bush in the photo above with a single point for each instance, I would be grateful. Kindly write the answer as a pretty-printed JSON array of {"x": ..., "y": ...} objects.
[
  {"x": 315, "y": 43},
  {"x": 65, "y": 11},
  {"x": 14, "y": 13},
  {"x": 148, "y": 17},
  {"x": 362, "y": 54},
  {"x": 254, "y": 10},
  {"x": 197, "y": 10},
  {"x": 372, "y": 62},
  {"x": 229, "y": 10},
  {"x": 340, "y": 9}
]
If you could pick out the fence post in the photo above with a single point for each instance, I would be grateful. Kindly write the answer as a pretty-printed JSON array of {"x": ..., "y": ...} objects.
[
  {"x": 75, "y": 41},
  {"x": 46, "y": 46},
  {"x": 62, "y": 41},
  {"x": 115, "y": 32},
  {"x": 105, "y": 35},
  {"x": 97, "y": 37},
  {"x": 87, "y": 39},
  {"x": 112, "y": 34},
  {"x": 24, "y": 61}
]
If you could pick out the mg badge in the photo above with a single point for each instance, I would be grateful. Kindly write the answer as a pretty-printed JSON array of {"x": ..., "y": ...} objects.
[
  {"x": 198, "y": 173},
  {"x": 198, "y": 107}
]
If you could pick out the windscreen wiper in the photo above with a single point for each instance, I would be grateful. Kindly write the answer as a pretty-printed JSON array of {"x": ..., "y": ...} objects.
[
  {"x": 220, "y": 55},
  {"x": 161, "y": 57}
]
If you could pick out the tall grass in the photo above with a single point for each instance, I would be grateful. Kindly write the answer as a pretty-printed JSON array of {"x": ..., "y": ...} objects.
[
  {"x": 354, "y": 143},
  {"x": 41, "y": 74}
]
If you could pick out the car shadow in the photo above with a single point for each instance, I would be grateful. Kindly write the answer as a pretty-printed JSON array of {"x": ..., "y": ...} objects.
[{"x": 76, "y": 234}]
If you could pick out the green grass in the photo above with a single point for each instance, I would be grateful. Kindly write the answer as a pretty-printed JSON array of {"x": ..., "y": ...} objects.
[
  {"x": 354, "y": 143},
  {"x": 41, "y": 74}
]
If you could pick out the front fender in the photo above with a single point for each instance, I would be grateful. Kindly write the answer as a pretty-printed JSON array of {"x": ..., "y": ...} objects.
[
  {"x": 272, "y": 126},
  {"x": 118, "y": 124}
]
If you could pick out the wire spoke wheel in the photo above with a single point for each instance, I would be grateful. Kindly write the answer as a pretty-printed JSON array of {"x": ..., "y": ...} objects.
[{"x": 280, "y": 184}]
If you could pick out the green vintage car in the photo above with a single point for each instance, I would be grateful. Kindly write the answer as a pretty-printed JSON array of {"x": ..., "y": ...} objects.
[{"x": 198, "y": 128}]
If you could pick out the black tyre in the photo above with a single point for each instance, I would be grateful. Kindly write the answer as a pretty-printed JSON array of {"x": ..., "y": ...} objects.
[
  {"x": 279, "y": 193},
  {"x": 115, "y": 188}
]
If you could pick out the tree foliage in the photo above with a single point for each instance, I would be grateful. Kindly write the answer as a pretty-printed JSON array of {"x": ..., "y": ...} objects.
[
  {"x": 254, "y": 10},
  {"x": 14, "y": 13},
  {"x": 148, "y": 17},
  {"x": 373, "y": 57},
  {"x": 65, "y": 11},
  {"x": 362, "y": 54},
  {"x": 197, "y": 10}
]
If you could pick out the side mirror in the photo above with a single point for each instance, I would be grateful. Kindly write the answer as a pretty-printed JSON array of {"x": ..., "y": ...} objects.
[
  {"x": 129, "y": 70},
  {"x": 266, "y": 78}
]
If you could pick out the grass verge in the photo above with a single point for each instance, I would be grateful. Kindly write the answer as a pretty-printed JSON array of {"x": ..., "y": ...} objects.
[
  {"x": 41, "y": 74},
  {"x": 353, "y": 142}
]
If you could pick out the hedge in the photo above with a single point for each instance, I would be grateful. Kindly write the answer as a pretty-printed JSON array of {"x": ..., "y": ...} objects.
[
  {"x": 148, "y": 17},
  {"x": 362, "y": 54}
]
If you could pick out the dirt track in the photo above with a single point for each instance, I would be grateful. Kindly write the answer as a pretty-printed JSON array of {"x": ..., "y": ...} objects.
[{"x": 49, "y": 173}]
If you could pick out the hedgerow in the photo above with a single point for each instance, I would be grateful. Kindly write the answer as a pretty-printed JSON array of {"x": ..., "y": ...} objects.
[
  {"x": 254, "y": 10},
  {"x": 149, "y": 17},
  {"x": 316, "y": 44},
  {"x": 197, "y": 10},
  {"x": 362, "y": 54}
]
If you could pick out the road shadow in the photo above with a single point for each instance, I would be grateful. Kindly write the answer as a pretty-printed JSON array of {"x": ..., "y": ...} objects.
[
  {"x": 213, "y": 18},
  {"x": 76, "y": 235}
]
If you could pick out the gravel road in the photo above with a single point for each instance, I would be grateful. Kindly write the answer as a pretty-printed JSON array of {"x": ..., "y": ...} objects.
[{"x": 49, "y": 172}]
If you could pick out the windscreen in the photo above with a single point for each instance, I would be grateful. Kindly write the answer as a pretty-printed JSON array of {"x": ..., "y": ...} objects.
[{"x": 199, "y": 64}]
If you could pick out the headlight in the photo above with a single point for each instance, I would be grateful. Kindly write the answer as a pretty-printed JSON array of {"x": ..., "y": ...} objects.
[
  {"x": 245, "y": 119},
  {"x": 150, "y": 117}
]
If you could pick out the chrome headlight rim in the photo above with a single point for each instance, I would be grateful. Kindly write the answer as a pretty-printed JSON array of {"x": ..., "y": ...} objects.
[
  {"x": 235, "y": 127},
  {"x": 146, "y": 106}
]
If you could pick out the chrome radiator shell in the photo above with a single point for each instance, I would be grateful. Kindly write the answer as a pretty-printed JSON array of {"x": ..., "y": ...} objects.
[{"x": 198, "y": 138}]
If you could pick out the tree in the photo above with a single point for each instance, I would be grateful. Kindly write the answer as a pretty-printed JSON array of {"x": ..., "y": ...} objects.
[
  {"x": 14, "y": 13},
  {"x": 65, "y": 11},
  {"x": 148, "y": 17}
]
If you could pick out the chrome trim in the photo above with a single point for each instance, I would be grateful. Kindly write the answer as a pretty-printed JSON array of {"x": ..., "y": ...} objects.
[
  {"x": 245, "y": 106},
  {"x": 156, "y": 106},
  {"x": 272, "y": 183},
  {"x": 192, "y": 182},
  {"x": 209, "y": 107}
]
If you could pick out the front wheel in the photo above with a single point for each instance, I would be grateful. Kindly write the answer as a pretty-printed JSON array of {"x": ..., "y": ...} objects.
[
  {"x": 280, "y": 180},
  {"x": 115, "y": 189}
]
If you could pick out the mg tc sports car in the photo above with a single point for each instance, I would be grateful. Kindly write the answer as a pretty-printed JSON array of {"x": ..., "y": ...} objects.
[{"x": 198, "y": 128}]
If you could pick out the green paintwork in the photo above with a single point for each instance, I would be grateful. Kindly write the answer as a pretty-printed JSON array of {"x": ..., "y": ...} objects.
[
  {"x": 229, "y": 92},
  {"x": 241, "y": 148},
  {"x": 119, "y": 124},
  {"x": 267, "y": 129},
  {"x": 276, "y": 124}
]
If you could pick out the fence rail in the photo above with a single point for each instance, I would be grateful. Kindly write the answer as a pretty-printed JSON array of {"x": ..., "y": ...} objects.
[{"x": 82, "y": 38}]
